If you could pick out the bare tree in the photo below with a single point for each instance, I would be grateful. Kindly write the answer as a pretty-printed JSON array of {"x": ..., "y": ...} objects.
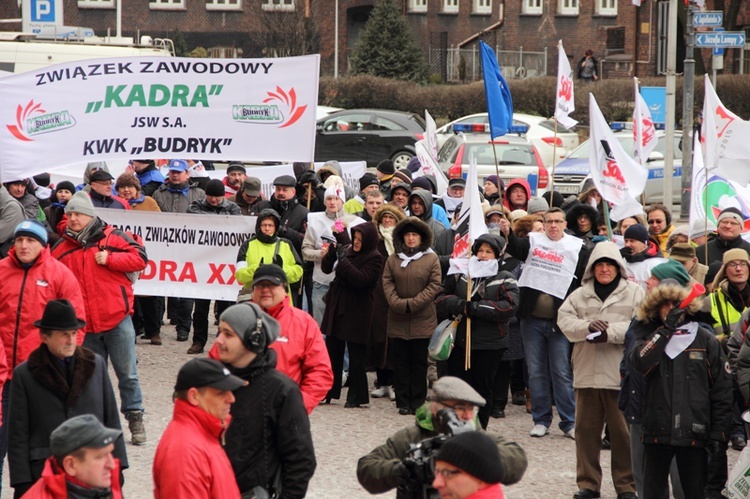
[{"x": 281, "y": 31}]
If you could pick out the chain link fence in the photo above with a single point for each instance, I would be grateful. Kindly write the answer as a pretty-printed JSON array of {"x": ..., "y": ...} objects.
[{"x": 465, "y": 64}]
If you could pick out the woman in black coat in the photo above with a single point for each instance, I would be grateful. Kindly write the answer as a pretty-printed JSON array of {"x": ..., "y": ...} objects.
[
  {"x": 349, "y": 307},
  {"x": 494, "y": 298}
]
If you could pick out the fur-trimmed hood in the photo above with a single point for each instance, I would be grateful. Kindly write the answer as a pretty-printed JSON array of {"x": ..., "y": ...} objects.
[
  {"x": 576, "y": 211},
  {"x": 418, "y": 226},
  {"x": 387, "y": 208},
  {"x": 648, "y": 310}
]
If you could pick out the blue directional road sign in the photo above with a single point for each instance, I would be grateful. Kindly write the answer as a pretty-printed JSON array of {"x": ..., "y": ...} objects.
[
  {"x": 726, "y": 39},
  {"x": 708, "y": 19}
]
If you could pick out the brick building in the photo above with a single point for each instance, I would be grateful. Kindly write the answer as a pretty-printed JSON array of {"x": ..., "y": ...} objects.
[{"x": 627, "y": 40}]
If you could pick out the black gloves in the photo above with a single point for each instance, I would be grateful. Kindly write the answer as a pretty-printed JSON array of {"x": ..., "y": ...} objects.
[
  {"x": 277, "y": 260},
  {"x": 340, "y": 251},
  {"x": 310, "y": 177},
  {"x": 471, "y": 308},
  {"x": 674, "y": 318},
  {"x": 598, "y": 325}
]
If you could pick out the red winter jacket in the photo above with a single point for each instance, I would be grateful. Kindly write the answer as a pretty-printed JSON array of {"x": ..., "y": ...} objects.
[
  {"x": 301, "y": 353},
  {"x": 23, "y": 296},
  {"x": 53, "y": 485},
  {"x": 190, "y": 462},
  {"x": 107, "y": 290}
]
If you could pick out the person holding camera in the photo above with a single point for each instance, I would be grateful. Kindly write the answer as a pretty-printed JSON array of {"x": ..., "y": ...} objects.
[
  {"x": 687, "y": 406},
  {"x": 452, "y": 410}
]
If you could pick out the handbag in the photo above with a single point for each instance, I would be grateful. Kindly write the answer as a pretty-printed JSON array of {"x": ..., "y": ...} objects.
[{"x": 443, "y": 339}]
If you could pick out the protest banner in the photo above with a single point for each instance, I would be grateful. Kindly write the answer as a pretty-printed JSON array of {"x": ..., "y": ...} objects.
[
  {"x": 551, "y": 265},
  {"x": 189, "y": 256},
  {"x": 121, "y": 108}
]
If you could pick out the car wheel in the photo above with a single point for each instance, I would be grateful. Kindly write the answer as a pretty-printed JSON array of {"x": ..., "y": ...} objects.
[{"x": 401, "y": 159}]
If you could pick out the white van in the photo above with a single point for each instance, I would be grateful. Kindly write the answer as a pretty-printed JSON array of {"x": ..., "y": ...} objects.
[{"x": 21, "y": 52}]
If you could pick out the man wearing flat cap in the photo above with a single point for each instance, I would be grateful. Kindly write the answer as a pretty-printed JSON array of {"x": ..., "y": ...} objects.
[
  {"x": 249, "y": 196},
  {"x": 269, "y": 443},
  {"x": 685, "y": 254},
  {"x": 29, "y": 261},
  {"x": 730, "y": 224},
  {"x": 101, "y": 192},
  {"x": 383, "y": 469},
  {"x": 190, "y": 462},
  {"x": 82, "y": 463},
  {"x": 57, "y": 381},
  {"x": 469, "y": 466}
]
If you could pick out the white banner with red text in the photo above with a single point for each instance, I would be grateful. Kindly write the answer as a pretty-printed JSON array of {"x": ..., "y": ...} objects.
[
  {"x": 189, "y": 256},
  {"x": 121, "y": 108}
]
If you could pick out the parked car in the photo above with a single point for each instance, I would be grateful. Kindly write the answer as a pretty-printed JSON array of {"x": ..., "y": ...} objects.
[
  {"x": 539, "y": 130},
  {"x": 516, "y": 158},
  {"x": 570, "y": 173},
  {"x": 323, "y": 111},
  {"x": 370, "y": 135}
]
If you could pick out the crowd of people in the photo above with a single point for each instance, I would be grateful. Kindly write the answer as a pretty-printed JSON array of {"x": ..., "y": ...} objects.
[{"x": 634, "y": 331}]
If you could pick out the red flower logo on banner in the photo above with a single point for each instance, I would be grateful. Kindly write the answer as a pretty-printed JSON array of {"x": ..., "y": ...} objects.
[
  {"x": 290, "y": 101},
  {"x": 22, "y": 114}
]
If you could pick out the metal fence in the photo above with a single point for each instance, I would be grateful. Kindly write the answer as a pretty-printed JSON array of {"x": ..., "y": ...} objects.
[{"x": 465, "y": 64}]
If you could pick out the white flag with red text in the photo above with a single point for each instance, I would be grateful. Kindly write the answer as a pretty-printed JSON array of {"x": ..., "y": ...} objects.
[
  {"x": 428, "y": 166},
  {"x": 616, "y": 175},
  {"x": 565, "y": 101},
  {"x": 644, "y": 131},
  {"x": 470, "y": 224}
]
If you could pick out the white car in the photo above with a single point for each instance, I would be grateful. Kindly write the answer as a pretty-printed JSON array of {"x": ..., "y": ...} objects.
[{"x": 540, "y": 132}]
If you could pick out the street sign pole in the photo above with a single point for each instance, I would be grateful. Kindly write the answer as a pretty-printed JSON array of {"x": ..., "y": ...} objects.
[
  {"x": 669, "y": 126},
  {"x": 688, "y": 85}
]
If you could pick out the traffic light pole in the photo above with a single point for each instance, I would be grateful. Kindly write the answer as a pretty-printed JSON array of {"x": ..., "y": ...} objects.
[{"x": 688, "y": 86}]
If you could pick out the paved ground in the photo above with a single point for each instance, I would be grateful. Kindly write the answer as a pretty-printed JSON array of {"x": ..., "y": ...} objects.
[{"x": 343, "y": 435}]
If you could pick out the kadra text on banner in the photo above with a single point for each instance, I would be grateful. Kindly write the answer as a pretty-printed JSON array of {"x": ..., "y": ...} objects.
[{"x": 122, "y": 108}]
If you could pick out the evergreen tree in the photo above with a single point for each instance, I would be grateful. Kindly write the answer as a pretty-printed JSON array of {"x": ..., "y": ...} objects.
[{"x": 387, "y": 47}]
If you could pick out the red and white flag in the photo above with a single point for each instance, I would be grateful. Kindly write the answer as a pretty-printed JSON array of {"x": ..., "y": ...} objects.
[
  {"x": 565, "y": 101},
  {"x": 616, "y": 175},
  {"x": 470, "y": 224},
  {"x": 428, "y": 166},
  {"x": 644, "y": 131}
]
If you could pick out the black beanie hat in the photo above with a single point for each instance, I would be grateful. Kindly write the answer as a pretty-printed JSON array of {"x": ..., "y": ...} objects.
[
  {"x": 67, "y": 186},
  {"x": 386, "y": 167},
  {"x": 215, "y": 187},
  {"x": 637, "y": 232},
  {"x": 475, "y": 453}
]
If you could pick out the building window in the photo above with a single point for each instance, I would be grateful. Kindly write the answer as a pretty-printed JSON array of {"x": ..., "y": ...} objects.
[
  {"x": 417, "y": 5},
  {"x": 96, "y": 4},
  {"x": 482, "y": 7},
  {"x": 166, "y": 4},
  {"x": 278, "y": 5},
  {"x": 450, "y": 6},
  {"x": 567, "y": 7},
  {"x": 606, "y": 7},
  {"x": 223, "y": 4},
  {"x": 531, "y": 7}
]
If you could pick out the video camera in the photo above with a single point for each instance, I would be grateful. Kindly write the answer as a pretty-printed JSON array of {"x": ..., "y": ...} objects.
[{"x": 419, "y": 461}]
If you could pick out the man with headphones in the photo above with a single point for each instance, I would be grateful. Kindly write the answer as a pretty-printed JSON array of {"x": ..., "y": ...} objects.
[{"x": 269, "y": 442}]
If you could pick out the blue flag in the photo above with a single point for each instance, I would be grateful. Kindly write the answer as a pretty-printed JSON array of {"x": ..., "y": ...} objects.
[{"x": 499, "y": 101}]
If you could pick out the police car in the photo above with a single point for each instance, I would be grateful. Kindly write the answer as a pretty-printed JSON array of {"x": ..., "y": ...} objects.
[
  {"x": 516, "y": 156},
  {"x": 571, "y": 173}
]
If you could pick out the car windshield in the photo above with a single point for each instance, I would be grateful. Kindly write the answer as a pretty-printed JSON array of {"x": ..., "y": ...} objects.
[
  {"x": 582, "y": 152},
  {"x": 507, "y": 154},
  {"x": 550, "y": 125}
]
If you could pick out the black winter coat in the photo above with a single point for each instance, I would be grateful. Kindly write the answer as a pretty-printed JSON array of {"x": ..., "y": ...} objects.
[
  {"x": 293, "y": 220},
  {"x": 717, "y": 247},
  {"x": 350, "y": 303},
  {"x": 493, "y": 305},
  {"x": 269, "y": 430},
  {"x": 688, "y": 399},
  {"x": 42, "y": 398}
]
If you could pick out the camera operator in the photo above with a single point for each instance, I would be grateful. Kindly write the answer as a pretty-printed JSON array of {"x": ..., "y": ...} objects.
[{"x": 392, "y": 464}]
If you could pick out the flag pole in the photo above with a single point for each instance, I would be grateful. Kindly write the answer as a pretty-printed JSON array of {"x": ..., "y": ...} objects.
[
  {"x": 467, "y": 359},
  {"x": 607, "y": 222},
  {"x": 552, "y": 173},
  {"x": 309, "y": 187}
]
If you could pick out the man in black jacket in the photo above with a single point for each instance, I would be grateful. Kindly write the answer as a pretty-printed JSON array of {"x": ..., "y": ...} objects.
[
  {"x": 687, "y": 406},
  {"x": 269, "y": 442},
  {"x": 292, "y": 226},
  {"x": 730, "y": 225}
]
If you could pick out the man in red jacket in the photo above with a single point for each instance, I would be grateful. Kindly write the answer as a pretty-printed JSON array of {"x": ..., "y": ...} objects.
[
  {"x": 300, "y": 348},
  {"x": 190, "y": 462},
  {"x": 81, "y": 464},
  {"x": 105, "y": 260},
  {"x": 30, "y": 278}
]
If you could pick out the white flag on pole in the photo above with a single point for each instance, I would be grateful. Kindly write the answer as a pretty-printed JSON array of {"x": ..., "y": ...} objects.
[
  {"x": 617, "y": 176},
  {"x": 565, "y": 101},
  {"x": 429, "y": 167},
  {"x": 644, "y": 131},
  {"x": 698, "y": 184},
  {"x": 430, "y": 135}
]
